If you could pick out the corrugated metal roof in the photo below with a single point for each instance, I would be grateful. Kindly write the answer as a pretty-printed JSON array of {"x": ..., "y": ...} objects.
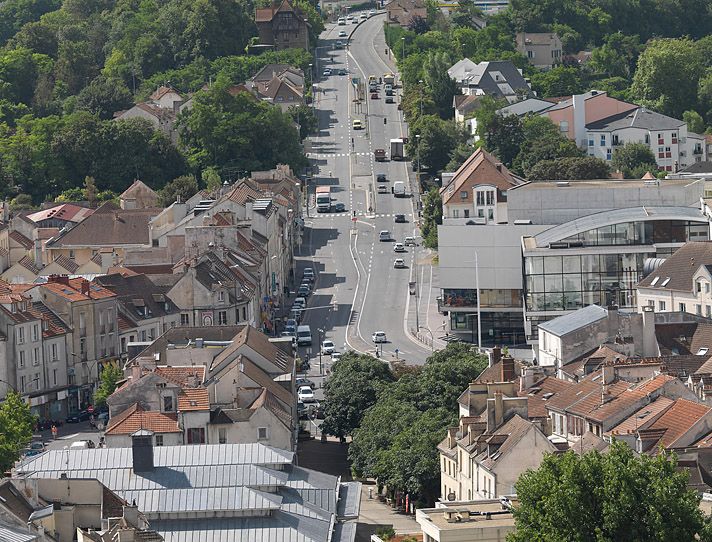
[
  {"x": 8, "y": 534},
  {"x": 211, "y": 500},
  {"x": 344, "y": 532},
  {"x": 349, "y": 502},
  {"x": 576, "y": 320}
]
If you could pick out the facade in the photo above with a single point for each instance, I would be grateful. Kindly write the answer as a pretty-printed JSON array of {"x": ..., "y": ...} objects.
[
  {"x": 260, "y": 492},
  {"x": 404, "y": 12},
  {"x": 500, "y": 79},
  {"x": 464, "y": 107},
  {"x": 282, "y": 26},
  {"x": 138, "y": 196},
  {"x": 542, "y": 50},
  {"x": 161, "y": 110},
  {"x": 680, "y": 283},
  {"x": 673, "y": 146}
]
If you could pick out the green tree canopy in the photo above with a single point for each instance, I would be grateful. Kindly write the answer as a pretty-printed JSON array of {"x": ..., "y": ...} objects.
[
  {"x": 606, "y": 498},
  {"x": 577, "y": 168},
  {"x": 110, "y": 377},
  {"x": 438, "y": 83},
  {"x": 184, "y": 187},
  {"x": 351, "y": 390},
  {"x": 695, "y": 122},
  {"x": 432, "y": 217},
  {"x": 104, "y": 97},
  {"x": 631, "y": 158},
  {"x": 542, "y": 140},
  {"x": 558, "y": 81},
  {"x": 16, "y": 427},
  {"x": 437, "y": 139}
]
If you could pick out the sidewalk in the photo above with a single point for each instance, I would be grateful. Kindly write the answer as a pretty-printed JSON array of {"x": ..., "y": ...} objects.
[
  {"x": 376, "y": 514},
  {"x": 428, "y": 327}
]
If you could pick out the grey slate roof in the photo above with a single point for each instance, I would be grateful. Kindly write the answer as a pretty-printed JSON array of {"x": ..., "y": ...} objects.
[
  {"x": 481, "y": 75},
  {"x": 639, "y": 118},
  {"x": 10, "y": 534},
  {"x": 530, "y": 105},
  {"x": 349, "y": 499},
  {"x": 576, "y": 320}
]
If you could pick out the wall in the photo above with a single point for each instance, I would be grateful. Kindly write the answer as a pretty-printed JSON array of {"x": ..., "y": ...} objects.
[
  {"x": 528, "y": 454},
  {"x": 124, "y": 441}
]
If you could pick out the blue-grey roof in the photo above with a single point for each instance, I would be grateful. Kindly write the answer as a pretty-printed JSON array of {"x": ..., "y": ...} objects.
[
  {"x": 345, "y": 532},
  {"x": 349, "y": 500},
  {"x": 616, "y": 216},
  {"x": 642, "y": 118},
  {"x": 530, "y": 105},
  {"x": 10, "y": 534},
  {"x": 214, "y": 493},
  {"x": 573, "y": 321}
]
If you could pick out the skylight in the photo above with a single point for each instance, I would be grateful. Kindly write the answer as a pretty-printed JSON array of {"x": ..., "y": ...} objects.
[
  {"x": 664, "y": 283},
  {"x": 702, "y": 351},
  {"x": 655, "y": 281}
]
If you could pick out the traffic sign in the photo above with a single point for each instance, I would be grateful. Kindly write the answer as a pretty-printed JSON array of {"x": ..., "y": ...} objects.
[{"x": 354, "y": 219}]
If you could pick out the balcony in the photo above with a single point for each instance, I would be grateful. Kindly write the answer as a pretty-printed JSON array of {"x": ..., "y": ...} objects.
[{"x": 697, "y": 150}]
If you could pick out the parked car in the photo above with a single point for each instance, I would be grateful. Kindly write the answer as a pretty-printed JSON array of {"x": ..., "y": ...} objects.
[
  {"x": 327, "y": 347},
  {"x": 308, "y": 272},
  {"x": 374, "y": 95},
  {"x": 399, "y": 263},
  {"x": 299, "y": 382},
  {"x": 327, "y": 72},
  {"x": 342, "y": 71},
  {"x": 304, "y": 290},
  {"x": 357, "y": 124},
  {"x": 81, "y": 416},
  {"x": 305, "y": 394},
  {"x": 384, "y": 235},
  {"x": 390, "y": 100},
  {"x": 339, "y": 45},
  {"x": 379, "y": 337},
  {"x": 410, "y": 242},
  {"x": 335, "y": 356}
]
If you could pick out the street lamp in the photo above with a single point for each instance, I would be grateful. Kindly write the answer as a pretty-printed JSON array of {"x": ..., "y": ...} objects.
[
  {"x": 321, "y": 338},
  {"x": 403, "y": 44},
  {"x": 421, "y": 96},
  {"x": 417, "y": 144},
  {"x": 479, "y": 319}
]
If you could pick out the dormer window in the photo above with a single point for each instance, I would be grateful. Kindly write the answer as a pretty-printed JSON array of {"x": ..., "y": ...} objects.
[
  {"x": 221, "y": 296},
  {"x": 168, "y": 403}
]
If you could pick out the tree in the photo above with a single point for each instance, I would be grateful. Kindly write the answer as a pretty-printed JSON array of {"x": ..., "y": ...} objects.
[
  {"x": 632, "y": 157},
  {"x": 617, "y": 57},
  {"x": 16, "y": 427},
  {"x": 182, "y": 187},
  {"x": 437, "y": 140},
  {"x": 418, "y": 25},
  {"x": 503, "y": 137},
  {"x": 352, "y": 388},
  {"x": 668, "y": 75},
  {"x": 558, "y": 81},
  {"x": 211, "y": 179},
  {"x": 577, "y": 168},
  {"x": 104, "y": 97},
  {"x": 695, "y": 122},
  {"x": 542, "y": 141},
  {"x": 606, "y": 497},
  {"x": 90, "y": 190},
  {"x": 304, "y": 117},
  {"x": 111, "y": 375},
  {"x": 432, "y": 217},
  {"x": 438, "y": 83},
  {"x": 458, "y": 156}
]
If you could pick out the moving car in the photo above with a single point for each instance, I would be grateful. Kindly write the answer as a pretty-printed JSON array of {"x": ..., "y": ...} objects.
[
  {"x": 335, "y": 356},
  {"x": 300, "y": 382},
  {"x": 305, "y": 394},
  {"x": 410, "y": 241},
  {"x": 327, "y": 347},
  {"x": 399, "y": 218},
  {"x": 339, "y": 208},
  {"x": 339, "y": 44},
  {"x": 300, "y": 302},
  {"x": 379, "y": 337},
  {"x": 291, "y": 326},
  {"x": 371, "y": 13},
  {"x": 364, "y": 16},
  {"x": 398, "y": 247},
  {"x": 342, "y": 21},
  {"x": 384, "y": 235},
  {"x": 382, "y": 189},
  {"x": 308, "y": 273},
  {"x": 381, "y": 178},
  {"x": 399, "y": 263},
  {"x": 374, "y": 95},
  {"x": 342, "y": 33},
  {"x": 326, "y": 72},
  {"x": 304, "y": 335},
  {"x": 390, "y": 100},
  {"x": 303, "y": 290},
  {"x": 80, "y": 416},
  {"x": 357, "y": 124}
]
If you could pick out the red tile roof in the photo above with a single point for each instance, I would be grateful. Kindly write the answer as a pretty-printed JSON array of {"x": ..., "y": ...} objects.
[
  {"x": 677, "y": 420},
  {"x": 191, "y": 399},
  {"x": 641, "y": 417},
  {"x": 21, "y": 239},
  {"x": 65, "y": 211},
  {"x": 182, "y": 375},
  {"x": 135, "y": 418},
  {"x": 71, "y": 289}
]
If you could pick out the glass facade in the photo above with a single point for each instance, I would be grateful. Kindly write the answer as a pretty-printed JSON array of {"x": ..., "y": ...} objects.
[
  {"x": 498, "y": 328},
  {"x": 467, "y": 297},
  {"x": 642, "y": 233}
]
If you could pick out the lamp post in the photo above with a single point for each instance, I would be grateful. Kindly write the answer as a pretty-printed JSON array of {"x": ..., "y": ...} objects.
[
  {"x": 479, "y": 319},
  {"x": 417, "y": 144},
  {"x": 403, "y": 44},
  {"x": 321, "y": 339}
]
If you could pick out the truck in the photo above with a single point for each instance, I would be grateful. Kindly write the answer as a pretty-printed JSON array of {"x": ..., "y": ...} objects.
[
  {"x": 323, "y": 199},
  {"x": 389, "y": 79},
  {"x": 397, "y": 149},
  {"x": 399, "y": 189},
  {"x": 379, "y": 155}
]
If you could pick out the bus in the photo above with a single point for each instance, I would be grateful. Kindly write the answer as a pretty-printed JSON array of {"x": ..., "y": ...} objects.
[{"x": 323, "y": 199}]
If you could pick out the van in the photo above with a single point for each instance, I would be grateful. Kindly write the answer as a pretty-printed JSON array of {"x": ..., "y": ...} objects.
[{"x": 304, "y": 336}]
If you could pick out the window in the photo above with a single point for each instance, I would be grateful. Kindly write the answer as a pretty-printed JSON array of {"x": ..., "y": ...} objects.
[
  {"x": 22, "y": 359},
  {"x": 184, "y": 320},
  {"x": 22, "y": 383},
  {"x": 222, "y": 318},
  {"x": 35, "y": 333},
  {"x": 480, "y": 198},
  {"x": 698, "y": 310},
  {"x": 660, "y": 139},
  {"x": 674, "y": 137},
  {"x": 463, "y": 194},
  {"x": 698, "y": 285},
  {"x": 159, "y": 440},
  {"x": 590, "y": 142},
  {"x": 708, "y": 311},
  {"x": 467, "y": 213},
  {"x": 490, "y": 197},
  {"x": 54, "y": 352},
  {"x": 603, "y": 140},
  {"x": 661, "y": 306},
  {"x": 608, "y": 154},
  {"x": 456, "y": 213},
  {"x": 221, "y": 296},
  {"x": 261, "y": 433},
  {"x": 196, "y": 435},
  {"x": 661, "y": 152},
  {"x": 647, "y": 139},
  {"x": 123, "y": 345},
  {"x": 20, "y": 335},
  {"x": 54, "y": 376},
  {"x": 36, "y": 356},
  {"x": 244, "y": 313},
  {"x": 167, "y": 403},
  {"x": 668, "y": 154},
  {"x": 82, "y": 324},
  {"x": 71, "y": 254},
  {"x": 222, "y": 436},
  {"x": 530, "y": 54},
  {"x": 707, "y": 287},
  {"x": 143, "y": 336},
  {"x": 681, "y": 307},
  {"x": 564, "y": 126}
]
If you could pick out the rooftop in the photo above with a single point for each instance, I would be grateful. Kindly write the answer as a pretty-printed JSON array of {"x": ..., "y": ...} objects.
[
  {"x": 568, "y": 323},
  {"x": 66, "y": 211},
  {"x": 676, "y": 272},
  {"x": 639, "y": 118}
]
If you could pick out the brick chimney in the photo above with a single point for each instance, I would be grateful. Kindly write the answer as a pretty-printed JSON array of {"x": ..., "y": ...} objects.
[
  {"x": 85, "y": 288},
  {"x": 507, "y": 367},
  {"x": 496, "y": 355}
]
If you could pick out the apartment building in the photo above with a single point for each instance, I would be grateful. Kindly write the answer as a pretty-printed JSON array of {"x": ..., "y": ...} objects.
[{"x": 543, "y": 50}]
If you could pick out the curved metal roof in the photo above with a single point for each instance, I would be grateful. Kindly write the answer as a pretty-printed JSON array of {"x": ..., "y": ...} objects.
[{"x": 616, "y": 216}]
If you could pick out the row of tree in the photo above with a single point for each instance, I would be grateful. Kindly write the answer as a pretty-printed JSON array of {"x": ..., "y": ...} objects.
[{"x": 397, "y": 419}]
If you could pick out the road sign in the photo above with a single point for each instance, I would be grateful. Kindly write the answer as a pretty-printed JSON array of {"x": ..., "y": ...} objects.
[{"x": 354, "y": 219}]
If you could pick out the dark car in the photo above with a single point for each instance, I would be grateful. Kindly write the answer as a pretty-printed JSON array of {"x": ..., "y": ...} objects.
[
  {"x": 381, "y": 177},
  {"x": 342, "y": 72},
  {"x": 303, "y": 291},
  {"x": 81, "y": 416},
  {"x": 339, "y": 208},
  {"x": 400, "y": 218},
  {"x": 390, "y": 100}
]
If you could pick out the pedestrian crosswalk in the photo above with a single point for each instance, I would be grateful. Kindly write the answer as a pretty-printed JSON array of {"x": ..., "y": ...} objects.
[
  {"x": 357, "y": 214},
  {"x": 317, "y": 156}
]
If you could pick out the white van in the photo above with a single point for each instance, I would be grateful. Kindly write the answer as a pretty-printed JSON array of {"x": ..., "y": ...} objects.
[{"x": 304, "y": 336}]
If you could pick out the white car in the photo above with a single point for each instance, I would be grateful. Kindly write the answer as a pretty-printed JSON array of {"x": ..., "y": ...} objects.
[
  {"x": 305, "y": 394},
  {"x": 342, "y": 34},
  {"x": 335, "y": 356},
  {"x": 379, "y": 337},
  {"x": 342, "y": 22},
  {"x": 371, "y": 13},
  {"x": 410, "y": 242},
  {"x": 398, "y": 247},
  {"x": 382, "y": 189},
  {"x": 399, "y": 263},
  {"x": 327, "y": 347},
  {"x": 384, "y": 235}
]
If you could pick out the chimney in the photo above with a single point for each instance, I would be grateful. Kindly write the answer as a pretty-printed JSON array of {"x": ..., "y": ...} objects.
[
  {"x": 498, "y": 165},
  {"x": 608, "y": 373},
  {"x": 579, "y": 115},
  {"x": 498, "y": 409},
  {"x": 508, "y": 369},
  {"x": 142, "y": 450},
  {"x": 495, "y": 356},
  {"x": 650, "y": 342},
  {"x": 85, "y": 288},
  {"x": 135, "y": 371}
]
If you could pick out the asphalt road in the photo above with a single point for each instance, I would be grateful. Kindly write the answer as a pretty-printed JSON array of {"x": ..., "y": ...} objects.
[{"x": 357, "y": 290}]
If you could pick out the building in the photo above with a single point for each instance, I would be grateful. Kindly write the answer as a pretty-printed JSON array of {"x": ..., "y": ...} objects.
[
  {"x": 161, "y": 110},
  {"x": 465, "y": 107},
  {"x": 404, "y": 12},
  {"x": 673, "y": 146},
  {"x": 59, "y": 216},
  {"x": 283, "y": 26},
  {"x": 213, "y": 492},
  {"x": 680, "y": 283},
  {"x": 478, "y": 189},
  {"x": 500, "y": 79},
  {"x": 474, "y": 521},
  {"x": 278, "y": 84},
  {"x": 139, "y": 196},
  {"x": 490, "y": 7},
  {"x": 567, "y": 338},
  {"x": 542, "y": 49}
]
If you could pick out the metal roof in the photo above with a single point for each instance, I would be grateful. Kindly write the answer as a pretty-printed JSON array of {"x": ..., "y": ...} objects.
[
  {"x": 349, "y": 499},
  {"x": 616, "y": 216},
  {"x": 9, "y": 534},
  {"x": 575, "y": 320}
]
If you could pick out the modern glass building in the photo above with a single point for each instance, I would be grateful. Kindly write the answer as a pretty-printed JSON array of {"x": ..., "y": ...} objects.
[{"x": 598, "y": 259}]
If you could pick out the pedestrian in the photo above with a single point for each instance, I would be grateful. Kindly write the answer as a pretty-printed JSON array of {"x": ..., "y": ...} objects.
[{"x": 54, "y": 431}]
